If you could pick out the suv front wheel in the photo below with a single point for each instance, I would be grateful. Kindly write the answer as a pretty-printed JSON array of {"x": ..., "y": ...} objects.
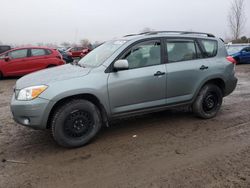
[
  {"x": 208, "y": 101},
  {"x": 75, "y": 123}
]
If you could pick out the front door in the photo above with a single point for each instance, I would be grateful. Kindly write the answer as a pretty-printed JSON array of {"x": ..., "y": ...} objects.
[
  {"x": 16, "y": 65},
  {"x": 143, "y": 85}
]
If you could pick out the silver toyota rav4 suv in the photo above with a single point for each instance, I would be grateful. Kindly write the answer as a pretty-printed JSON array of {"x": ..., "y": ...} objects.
[{"x": 135, "y": 74}]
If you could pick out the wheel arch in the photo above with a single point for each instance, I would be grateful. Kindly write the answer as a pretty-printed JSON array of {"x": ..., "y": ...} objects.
[
  {"x": 89, "y": 97},
  {"x": 218, "y": 81}
]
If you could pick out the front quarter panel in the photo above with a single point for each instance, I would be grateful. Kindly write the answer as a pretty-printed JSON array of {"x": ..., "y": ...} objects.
[{"x": 94, "y": 83}]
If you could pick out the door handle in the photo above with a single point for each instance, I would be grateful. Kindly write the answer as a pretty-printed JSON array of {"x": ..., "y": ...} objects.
[
  {"x": 159, "y": 73},
  {"x": 203, "y": 67}
]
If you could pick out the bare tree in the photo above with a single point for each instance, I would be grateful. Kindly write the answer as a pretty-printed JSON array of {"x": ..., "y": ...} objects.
[{"x": 236, "y": 18}]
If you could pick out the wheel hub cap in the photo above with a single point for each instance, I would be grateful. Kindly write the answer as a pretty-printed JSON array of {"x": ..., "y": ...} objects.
[
  {"x": 210, "y": 102},
  {"x": 78, "y": 123}
]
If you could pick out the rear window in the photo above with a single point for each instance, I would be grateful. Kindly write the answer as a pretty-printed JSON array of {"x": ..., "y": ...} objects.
[{"x": 210, "y": 47}]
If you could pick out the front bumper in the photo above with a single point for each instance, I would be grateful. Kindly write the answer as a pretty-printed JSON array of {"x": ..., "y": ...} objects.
[{"x": 32, "y": 113}]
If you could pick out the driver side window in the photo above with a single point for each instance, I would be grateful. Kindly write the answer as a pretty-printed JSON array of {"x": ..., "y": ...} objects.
[{"x": 144, "y": 54}]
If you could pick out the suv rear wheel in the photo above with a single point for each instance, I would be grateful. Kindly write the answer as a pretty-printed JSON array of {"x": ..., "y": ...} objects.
[
  {"x": 75, "y": 123},
  {"x": 208, "y": 101}
]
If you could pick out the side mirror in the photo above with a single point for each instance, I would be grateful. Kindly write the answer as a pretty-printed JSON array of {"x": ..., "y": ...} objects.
[
  {"x": 121, "y": 64},
  {"x": 7, "y": 58}
]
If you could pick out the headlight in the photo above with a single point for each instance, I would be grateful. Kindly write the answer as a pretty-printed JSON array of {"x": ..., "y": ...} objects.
[{"x": 30, "y": 93}]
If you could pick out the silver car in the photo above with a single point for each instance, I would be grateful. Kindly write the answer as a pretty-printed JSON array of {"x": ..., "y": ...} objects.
[{"x": 135, "y": 74}]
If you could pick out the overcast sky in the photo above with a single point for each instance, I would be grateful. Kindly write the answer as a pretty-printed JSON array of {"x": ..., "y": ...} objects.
[{"x": 55, "y": 21}]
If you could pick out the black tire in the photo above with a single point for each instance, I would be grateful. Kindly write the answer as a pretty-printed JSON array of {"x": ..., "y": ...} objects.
[
  {"x": 208, "y": 101},
  {"x": 75, "y": 123},
  {"x": 1, "y": 75}
]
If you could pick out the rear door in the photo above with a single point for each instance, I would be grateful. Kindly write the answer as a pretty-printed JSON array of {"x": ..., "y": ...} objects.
[
  {"x": 16, "y": 65},
  {"x": 143, "y": 85},
  {"x": 186, "y": 67},
  {"x": 38, "y": 59}
]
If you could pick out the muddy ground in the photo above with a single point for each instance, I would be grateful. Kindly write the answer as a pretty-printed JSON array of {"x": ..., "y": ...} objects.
[{"x": 170, "y": 149}]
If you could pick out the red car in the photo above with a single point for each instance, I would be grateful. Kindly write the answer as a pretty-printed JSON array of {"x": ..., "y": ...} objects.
[
  {"x": 21, "y": 61},
  {"x": 78, "y": 51}
]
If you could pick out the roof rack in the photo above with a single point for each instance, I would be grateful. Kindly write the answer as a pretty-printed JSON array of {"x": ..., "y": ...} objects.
[{"x": 174, "y": 32}]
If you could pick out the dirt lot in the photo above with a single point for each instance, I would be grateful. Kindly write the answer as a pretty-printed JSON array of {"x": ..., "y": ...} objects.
[{"x": 170, "y": 149}]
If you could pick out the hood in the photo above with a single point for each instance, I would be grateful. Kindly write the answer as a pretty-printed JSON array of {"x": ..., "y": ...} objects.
[{"x": 50, "y": 75}]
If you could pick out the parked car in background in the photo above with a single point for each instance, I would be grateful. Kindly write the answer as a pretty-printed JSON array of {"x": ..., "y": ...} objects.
[
  {"x": 67, "y": 56},
  {"x": 21, "y": 61},
  {"x": 4, "y": 48},
  {"x": 63, "y": 48},
  {"x": 78, "y": 52},
  {"x": 133, "y": 75},
  {"x": 241, "y": 53}
]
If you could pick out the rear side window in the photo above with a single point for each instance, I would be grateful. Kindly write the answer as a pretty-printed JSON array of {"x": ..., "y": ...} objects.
[
  {"x": 38, "y": 52},
  {"x": 182, "y": 50},
  {"x": 18, "y": 54},
  {"x": 210, "y": 47}
]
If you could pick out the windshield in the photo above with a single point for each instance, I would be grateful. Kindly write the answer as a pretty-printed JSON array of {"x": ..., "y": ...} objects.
[
  {"x": 100, "y": 54},
  {"x": 234, "y": 49}
]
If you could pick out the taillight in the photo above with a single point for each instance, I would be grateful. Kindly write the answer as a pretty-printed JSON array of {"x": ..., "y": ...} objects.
[{"x": 231, "y": 60}]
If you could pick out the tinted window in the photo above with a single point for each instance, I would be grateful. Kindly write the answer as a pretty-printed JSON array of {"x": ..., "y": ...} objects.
[
  {"x": 38, "y": 52},
  {"x": 210, "y": 47},
  {"x": 18, "y": 54},
  {"x": 246, "y": 49},
  {"x": 144, "y": 54},
  {"x": 181, "y": 50}
]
